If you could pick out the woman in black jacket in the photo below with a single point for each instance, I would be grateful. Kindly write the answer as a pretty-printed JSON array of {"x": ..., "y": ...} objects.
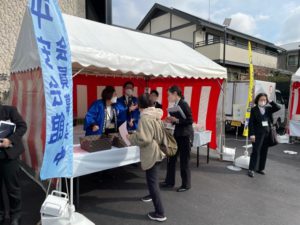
[
  {"x": 184, "y": 135},
  {"x": 260, "y": 124}
]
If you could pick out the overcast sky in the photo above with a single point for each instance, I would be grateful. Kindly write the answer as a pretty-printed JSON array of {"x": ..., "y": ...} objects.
[{"x": 277, "y": 21}]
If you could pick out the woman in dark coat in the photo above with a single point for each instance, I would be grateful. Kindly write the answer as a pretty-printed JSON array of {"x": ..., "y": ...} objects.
[
  {"x": 184, "y": 135},
  {"x": 260, "y": 124}
]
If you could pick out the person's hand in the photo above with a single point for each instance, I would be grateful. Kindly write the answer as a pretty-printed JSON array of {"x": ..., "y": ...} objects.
[
  {"x": 5, "y": 143},
  {"x": 95, "y": 128},
  {"x": 167, "y": 120},
  {"x": 172, "y": 119},
  {"x": 133, "y": 107},
  {"x": 252, "y": 138},
  {"x": 131, "y": 124},
  {"x": 128, "y": 135}
]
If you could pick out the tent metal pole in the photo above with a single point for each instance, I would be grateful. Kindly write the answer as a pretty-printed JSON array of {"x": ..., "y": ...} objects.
[
  {"x": 75, "y": 74},
  {"x": 71, "y": 206},
  {"x": 72, "y": 190},
  {"x": 289, "y": 106},
  {"x": 222, "y": 133},
  {"x": 223, "y": 119}
]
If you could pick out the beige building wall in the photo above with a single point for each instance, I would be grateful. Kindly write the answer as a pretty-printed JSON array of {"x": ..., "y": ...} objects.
[
  {"x": 147, "y": 28},
  {"x": 184, "y": 34},
  {"x": 211, "y": 51},
  {"x": 11, "y": 15},
  {"x": 160, "y": 23},
  {"x": 200, "y": 36},
  {"x": 239, "y": 55},
  {"x": 177, "y": 21}
]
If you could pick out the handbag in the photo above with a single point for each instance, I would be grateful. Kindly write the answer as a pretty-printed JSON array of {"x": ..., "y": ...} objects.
[
  {"x": 95, "y": 143},
  {"x": 273, "y": 137},
  {"x": 169, "y": 145}
]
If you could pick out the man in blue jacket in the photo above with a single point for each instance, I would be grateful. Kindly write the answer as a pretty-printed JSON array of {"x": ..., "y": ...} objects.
[{"x": 128, "y": 108}]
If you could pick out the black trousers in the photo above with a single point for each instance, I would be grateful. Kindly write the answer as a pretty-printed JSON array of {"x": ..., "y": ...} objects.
[
  {"x": 9, "y": 176},
  {"x": 259, "y": 152},
  {"x": 184, "y": 151},
  {"x": 153, "y": 186}
]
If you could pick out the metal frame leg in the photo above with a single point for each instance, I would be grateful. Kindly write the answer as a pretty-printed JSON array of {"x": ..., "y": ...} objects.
[
  {"x": 207, "y": 159},
  {"x": 77, "y": 197},
  {"x": 198, "y": 148}
]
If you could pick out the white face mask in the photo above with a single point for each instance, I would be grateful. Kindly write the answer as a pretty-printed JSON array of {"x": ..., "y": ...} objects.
[
  {"x": 262, "y": 103},
  {"x": 129, "y": 92},
  {"x": 114, "y": 100}
]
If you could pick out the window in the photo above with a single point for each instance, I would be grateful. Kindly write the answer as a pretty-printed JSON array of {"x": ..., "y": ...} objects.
[
  {"x": 211, "y": 39},
  {"x": 292, "y": 60},
  {"x": 279, "y": 99},
  {"x": 99, "y": 11}
]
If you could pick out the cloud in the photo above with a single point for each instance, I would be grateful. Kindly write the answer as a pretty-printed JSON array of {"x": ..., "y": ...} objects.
[
  {"x": 290, "y": 31},
  {"x": 197, "y": 8},
  {"x": 243, "y": 23},
  {"x": 248, "y": 23},
  {"x": 129, "y": 13},
  {"x": 272, "y": 20},
  {"x": 262, "y": 17}
]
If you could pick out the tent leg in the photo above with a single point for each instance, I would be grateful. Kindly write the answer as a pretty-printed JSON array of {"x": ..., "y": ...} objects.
[
  {"x": 71, "y": 207},
  {"x": 198, "y": 156},
  {"x": 77, "y": 181},
  {"x": 222, "y": 133}
]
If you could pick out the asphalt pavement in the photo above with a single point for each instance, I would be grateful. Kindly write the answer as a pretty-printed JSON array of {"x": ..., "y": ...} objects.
[{"x": 218, "y": 196}]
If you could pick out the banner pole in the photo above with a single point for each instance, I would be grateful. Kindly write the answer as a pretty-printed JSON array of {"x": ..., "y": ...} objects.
[{"x": 71, "y": 207}]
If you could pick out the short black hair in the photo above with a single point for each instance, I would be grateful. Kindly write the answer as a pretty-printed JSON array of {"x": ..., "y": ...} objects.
[
  {"x": 108, "y": 93},
  {"x": 176, "y": 89},
  {"x": 259, "y": 96},
  {"x": 144, "y": 101},
  {"x": 128, "y": 83},
  {"x": 154, "y": 92}
]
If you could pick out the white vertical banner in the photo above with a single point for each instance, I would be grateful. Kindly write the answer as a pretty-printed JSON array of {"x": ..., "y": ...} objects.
[
  {"x": 99, "y": 91},
  {"x": 54, "y": 51},
  {"x": 160, "y": 94},
  {"x": 188, "y": 94},
  {"x": 82, "y": 106},
  {"x": 119, "y": 90},
  {"x": 203, "y": 106}
]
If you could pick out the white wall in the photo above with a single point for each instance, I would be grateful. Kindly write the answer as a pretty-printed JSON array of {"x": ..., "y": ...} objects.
[
  {"x": 239, "y": 55},
  {"x": 177, "y": 21},
  {"x": 200, "y": 36},
  {"x": 184, "y": 34},
  {"x": 147, "y": 28},
  {"x": 160, "y": 23}
]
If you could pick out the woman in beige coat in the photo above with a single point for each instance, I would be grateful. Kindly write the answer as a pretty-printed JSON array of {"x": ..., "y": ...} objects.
[{"x": 148, "y": 137}]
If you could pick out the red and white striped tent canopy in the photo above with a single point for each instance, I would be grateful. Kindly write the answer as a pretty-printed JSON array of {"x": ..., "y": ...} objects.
[
  {"x": 109, "y": 55},
  {"x": 294, "y": 105}
]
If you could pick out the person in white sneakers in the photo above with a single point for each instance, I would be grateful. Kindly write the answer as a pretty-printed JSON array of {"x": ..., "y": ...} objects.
[{"x": 148, "y": 137}]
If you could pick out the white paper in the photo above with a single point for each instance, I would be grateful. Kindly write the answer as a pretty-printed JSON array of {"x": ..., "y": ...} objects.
[
  {"x": 175, "y": 109},
  {"x": 124, "y": 132},
  {"x": 6, "y": 126}
]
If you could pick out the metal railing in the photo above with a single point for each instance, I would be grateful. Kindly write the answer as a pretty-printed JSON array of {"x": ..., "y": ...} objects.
[{"x": 219, "y": 40}]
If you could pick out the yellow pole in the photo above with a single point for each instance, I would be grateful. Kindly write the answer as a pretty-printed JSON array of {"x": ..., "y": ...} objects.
[{"x": 250, "y": 91}]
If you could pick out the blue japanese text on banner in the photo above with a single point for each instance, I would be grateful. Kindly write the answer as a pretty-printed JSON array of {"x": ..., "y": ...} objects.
[{"x": 55, "y": 56}]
